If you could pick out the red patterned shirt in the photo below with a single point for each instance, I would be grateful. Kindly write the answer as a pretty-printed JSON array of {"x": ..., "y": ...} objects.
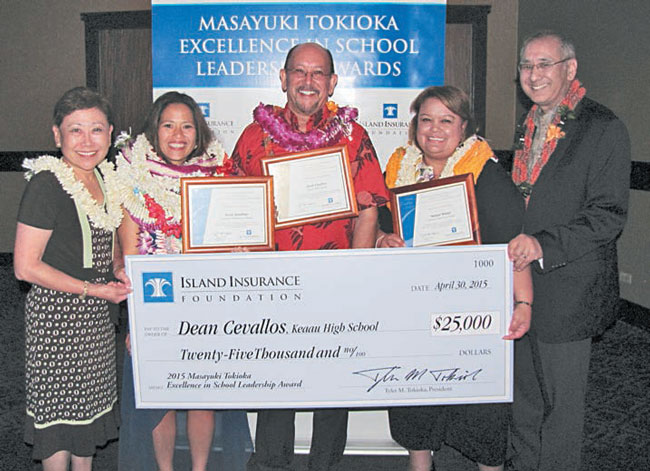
[{"x": 255, "y": 144}]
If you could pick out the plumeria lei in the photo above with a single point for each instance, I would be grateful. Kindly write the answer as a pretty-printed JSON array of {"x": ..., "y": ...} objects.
[
  {"x": 150, "y": 187},
  {"x": 107, "y": 216},
  {"x": 338, "y": 124}
]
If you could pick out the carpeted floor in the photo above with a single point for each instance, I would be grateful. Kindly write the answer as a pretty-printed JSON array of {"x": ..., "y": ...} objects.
[{"x": 617, "y": 431}]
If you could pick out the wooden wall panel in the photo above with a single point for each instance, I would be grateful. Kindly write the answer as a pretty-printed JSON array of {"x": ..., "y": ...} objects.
[
  {"x": 125, "y": 74},
  {"x": 458, "y": 56}
]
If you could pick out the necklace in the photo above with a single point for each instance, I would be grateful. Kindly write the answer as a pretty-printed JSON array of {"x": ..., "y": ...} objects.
[
  {"x": 523, "y": 176},
  {"x": 413, "y": 169},
  {"x": 338, "y": 124},
  {"x": 107, "y": 216},
  {"x": 150, "y": 187}
]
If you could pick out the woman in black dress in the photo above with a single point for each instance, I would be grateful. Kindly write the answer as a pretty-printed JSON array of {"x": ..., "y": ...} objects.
[
  {"x": 443, "y": 144},
  {"x": 64, "y": 247}
]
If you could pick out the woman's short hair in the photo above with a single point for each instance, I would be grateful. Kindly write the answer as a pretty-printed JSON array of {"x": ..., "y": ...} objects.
[
  {"x": 203, "y": 132},
  {"x": 453, "y": 98},
  {"x": 81, "y": 98}
]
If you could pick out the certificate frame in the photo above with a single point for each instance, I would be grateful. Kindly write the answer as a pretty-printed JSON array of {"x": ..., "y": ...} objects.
[
  {"x": 260, "y": 238},
  {"x": 404, "y": 205},
  {"x": 342, "y": 198}
]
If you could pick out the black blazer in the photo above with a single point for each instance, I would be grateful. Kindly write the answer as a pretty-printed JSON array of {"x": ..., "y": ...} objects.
[{"x": 577, "y": 210}]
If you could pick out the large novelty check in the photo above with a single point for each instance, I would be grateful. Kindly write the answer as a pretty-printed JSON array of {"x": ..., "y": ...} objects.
[{"x": 348, "y": 328}]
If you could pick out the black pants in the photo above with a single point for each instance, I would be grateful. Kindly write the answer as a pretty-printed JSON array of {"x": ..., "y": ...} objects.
[
  {"x": 275, "y": 434},
  {"x": 549, "y": 404}
]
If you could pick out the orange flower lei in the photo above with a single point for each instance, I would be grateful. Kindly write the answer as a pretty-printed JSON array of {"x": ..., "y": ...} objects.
[
  {"x": 521, "y": 175},
  {"x": 469, "y": 157}
]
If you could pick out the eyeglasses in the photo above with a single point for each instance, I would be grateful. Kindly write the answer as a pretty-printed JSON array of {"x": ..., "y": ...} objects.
[
  {"x": 541, "y": 67},
  {"x": 300, "y": 73}
]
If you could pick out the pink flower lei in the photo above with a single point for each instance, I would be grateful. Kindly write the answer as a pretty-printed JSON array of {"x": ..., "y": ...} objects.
[{"x": 275, "y": 125}]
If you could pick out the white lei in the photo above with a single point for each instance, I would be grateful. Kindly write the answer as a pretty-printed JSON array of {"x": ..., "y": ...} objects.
[
  {"x": 412, "y": 162},
  {"x": 107, "y": 216},
  {"x": 135, "y": 179}
]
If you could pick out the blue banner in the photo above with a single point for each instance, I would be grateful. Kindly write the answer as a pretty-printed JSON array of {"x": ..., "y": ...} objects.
[
  {"x": 386, "y": 45},
  {"x": 227, "y": 55}
]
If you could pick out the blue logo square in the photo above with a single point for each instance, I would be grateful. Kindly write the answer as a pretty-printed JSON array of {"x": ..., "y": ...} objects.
[
  {"x": 249, "y": 231},
  {"x": 330, "y": 200},
  {"x": 158, "y": 287},
  {"x": 205, "y": 108},
  {"x": 390, "y": 110}
]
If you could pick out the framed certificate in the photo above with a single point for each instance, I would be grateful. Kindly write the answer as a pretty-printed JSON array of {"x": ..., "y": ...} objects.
[
  {"x": 311, "y": 186},
  {"x": 439, "y": 212},
  {"x": 220, "y": 214}
]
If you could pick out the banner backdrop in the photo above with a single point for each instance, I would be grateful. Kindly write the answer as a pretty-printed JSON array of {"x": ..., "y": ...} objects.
[{"x": 227, "y": 55}]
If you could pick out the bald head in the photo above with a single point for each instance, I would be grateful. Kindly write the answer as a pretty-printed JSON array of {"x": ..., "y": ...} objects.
[{"x": 294, "y": 49}]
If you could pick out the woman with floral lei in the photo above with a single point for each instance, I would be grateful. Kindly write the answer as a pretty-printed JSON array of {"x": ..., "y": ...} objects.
[
  {"x": 443, "y": 145},
  {"x": 64, "y": 247},
  {"x": 176, "y": 142}
]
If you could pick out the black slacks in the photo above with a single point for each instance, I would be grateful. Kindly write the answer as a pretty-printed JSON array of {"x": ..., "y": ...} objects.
[
  {"x": 275, "y": 435},
  {"x": 549, "y": 404}
]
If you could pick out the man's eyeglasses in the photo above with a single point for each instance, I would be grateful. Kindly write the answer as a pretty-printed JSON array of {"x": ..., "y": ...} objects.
[
  {"x": 300, "y": 73},
  {"x": 541, "y": 66}
]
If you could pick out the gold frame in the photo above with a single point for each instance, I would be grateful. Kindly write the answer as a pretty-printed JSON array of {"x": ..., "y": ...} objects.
[
  {"x": 269, "y": 230},
  {"x": 351, "y": 209},
  {"x": 467, "y": 179}
]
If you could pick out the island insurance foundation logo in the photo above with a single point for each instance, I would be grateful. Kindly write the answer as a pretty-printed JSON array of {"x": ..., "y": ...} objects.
[
  {"x": 158, "y": 287},
  {"x": 389, "y": 110}
]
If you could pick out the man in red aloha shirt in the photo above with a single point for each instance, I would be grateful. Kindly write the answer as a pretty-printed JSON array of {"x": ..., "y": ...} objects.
[{"x": 308, "y": 121}]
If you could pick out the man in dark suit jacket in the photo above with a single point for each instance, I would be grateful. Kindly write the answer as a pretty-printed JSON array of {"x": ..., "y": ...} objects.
[{"x": 572, "y": 165}]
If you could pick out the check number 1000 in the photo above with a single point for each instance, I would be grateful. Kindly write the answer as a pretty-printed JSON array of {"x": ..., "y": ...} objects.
[{"x": 465, "y": 323}]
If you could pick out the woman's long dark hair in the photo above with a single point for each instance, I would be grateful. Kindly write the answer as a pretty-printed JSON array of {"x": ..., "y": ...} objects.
[{"x": 203, "y": 133}]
